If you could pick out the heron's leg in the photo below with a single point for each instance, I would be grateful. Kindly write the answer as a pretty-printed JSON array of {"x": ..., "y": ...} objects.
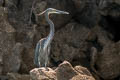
[
  {"x": 47, "y": 56},
  {"x": 46, "y": 62},
  {"x": 39, "y": 63}
]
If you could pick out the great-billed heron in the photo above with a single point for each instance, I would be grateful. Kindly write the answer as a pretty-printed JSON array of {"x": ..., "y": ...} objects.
[{"x": 42, "y": 50}]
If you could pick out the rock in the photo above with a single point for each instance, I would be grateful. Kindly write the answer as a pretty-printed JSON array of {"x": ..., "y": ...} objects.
[
  {"x": 43, "y": 74},
  {"x": 100, "y": 36},
  {"x": 103, "y": 53},
  {"x": 3, "y": 77},
  {"x": 1, "y": 3},
  {"x": 86, "y": 12},
  {"x": 70, "y": 44},
  {"x": 16, "y": 76},
  {"x": 14, "y": 59},
  {"x": 110, "y": 13},
  {"x": 19, "y": 14},
  {"x": 27, "y": 60},
  {"x": 105, "y": 63},
  {"x": 65, "y": 71},
  {"x": 110, "y": 8},
  {"x": 12, "y": 62},
  {"x": 7, "y": 40},
  {"x": 82, "y": 77},
  {"x": 82, "y": 70},
  {"x": 21, "y": 29}
]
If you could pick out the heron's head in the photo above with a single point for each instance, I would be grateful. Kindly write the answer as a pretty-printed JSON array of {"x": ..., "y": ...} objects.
[{"x": 53, "y": 11}]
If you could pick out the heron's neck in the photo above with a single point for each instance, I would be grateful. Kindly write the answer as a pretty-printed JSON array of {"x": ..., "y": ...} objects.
[{"x": 51, "y": 34}]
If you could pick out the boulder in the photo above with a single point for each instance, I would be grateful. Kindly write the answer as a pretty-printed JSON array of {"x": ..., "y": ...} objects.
[
  {"x": 7, "y": 42},
  {"x": 64, "y": 71},
  {"x": 43, "y": 74},
  {"x": 106, "y": 63},
  {"x": 110, "y": 8},
  {"x": 13, "y": 60},
  {"x": 86, "y": 12}
]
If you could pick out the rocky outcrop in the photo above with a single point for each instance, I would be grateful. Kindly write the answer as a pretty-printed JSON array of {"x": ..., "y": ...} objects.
[
  {"x": 110, "y": 7},
  {"x": 86, "y": 12},
  {"x": 43, "y": 74},
  {"x": 16, "y": 76},
  {"x": 106, "y": 63},
  {"x": 14, "y": 58},
  {"x": 64, "y": 71},
  {"x": 7, "y": 41},
  {"x": 90, "y": 24}
]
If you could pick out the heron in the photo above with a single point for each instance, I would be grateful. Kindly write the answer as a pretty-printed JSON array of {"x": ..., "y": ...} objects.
[{"x": 42, "y": 50}]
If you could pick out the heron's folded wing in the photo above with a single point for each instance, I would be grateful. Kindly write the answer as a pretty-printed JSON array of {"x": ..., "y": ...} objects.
[{"x": 37, "y": 54}]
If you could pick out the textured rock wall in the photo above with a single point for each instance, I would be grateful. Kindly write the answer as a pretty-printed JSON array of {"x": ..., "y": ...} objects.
[{"x": 89, "y": 36}]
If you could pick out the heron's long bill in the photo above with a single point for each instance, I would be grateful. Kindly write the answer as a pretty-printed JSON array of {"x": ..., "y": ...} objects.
[
  {"x": 62, "y": 12},
  {"x": 41, "y": 13}
]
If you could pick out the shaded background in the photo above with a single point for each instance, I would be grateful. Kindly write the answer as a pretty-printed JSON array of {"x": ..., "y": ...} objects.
[{"x": 89, "y": 36}]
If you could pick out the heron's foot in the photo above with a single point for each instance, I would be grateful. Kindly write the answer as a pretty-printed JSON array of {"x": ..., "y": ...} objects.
[{"x": 46, "y": 68}]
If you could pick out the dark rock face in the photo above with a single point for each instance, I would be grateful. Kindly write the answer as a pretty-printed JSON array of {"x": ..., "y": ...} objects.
[
  {"x": 14, "y": 58},
  {"x": 107, "y": 61},
  {"x": 73, "y": 46},
  {"x": 110, "y": 18},
  {"x": 7, "y": 41},
  {"x": 88, "y": 36},
  {"x": 110, "y": 7},
  {"x": 86, "y": 12},
  {"x": 16, "y": 76}
]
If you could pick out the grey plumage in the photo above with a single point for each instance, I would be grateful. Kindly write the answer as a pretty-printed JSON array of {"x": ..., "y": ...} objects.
[{"x": 42, "y": 51}]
